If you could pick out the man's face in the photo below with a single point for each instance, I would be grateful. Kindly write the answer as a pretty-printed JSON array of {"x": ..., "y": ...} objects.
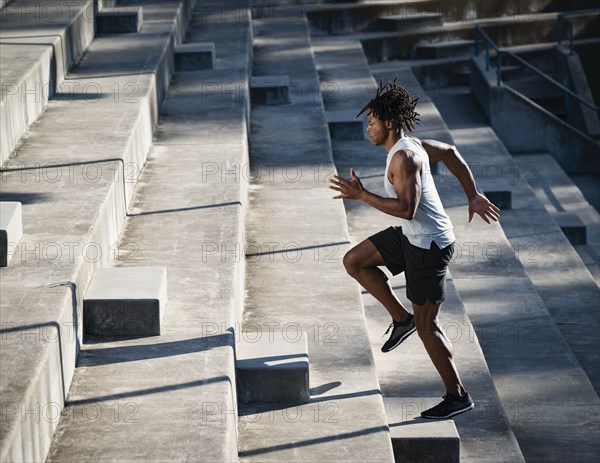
[{"x": 377, "y": 130}]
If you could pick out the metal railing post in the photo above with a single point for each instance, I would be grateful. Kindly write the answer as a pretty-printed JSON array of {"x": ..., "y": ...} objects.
[
  {"x": 498, "y": 68},
  {"x": 571, "y": 46},
  {"x": 559, "y": 29}
]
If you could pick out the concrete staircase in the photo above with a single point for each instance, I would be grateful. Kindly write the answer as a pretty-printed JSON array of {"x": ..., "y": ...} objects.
[
  {"x": 38, "y": 47},
  {"x": 225, "y": 196},
  {"x": 179, "y": 387},
  {"x": 296, "y": 237},
  {"x": 74, "y": 191},
  {"x": 560, "y": 196}
]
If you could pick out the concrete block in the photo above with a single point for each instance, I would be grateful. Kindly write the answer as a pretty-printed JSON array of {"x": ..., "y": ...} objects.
[
  {"x": 572, "y": 226},
  {"x": 406, "y": 22},
  {"x": 501, "y": 198},
  {"x": 270, "y": 90},
  {"x": 272, "y": 369},
  {"x": 120, "y": 20},
  {"x": 343, "y": 125},
  {"x": 447, "y": 49},
  {"x": 426, "y": 441},
  {"x": 125, "y": 301},
  {"x": 11, "y": 230},
  {"x": 195, "y": 56}
]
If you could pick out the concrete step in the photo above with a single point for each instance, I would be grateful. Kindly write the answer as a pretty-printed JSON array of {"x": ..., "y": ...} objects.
[
  {"x": 348, "y": 17},
  {"x": 504, "y": 31},
  {"x": 462, "y": 76},
  {"x": 11, "y": 230},
  {"x": 385, "y": 46},
  {"x": 345, "y": 418},
  {"x": 447, "y": 49},
  {"x": 74, "y": 192},
  {"x": 38, "y": 46},
  {"x": 408, "y": 381},
  {"x": 557, "y": 192},
  {"x": 180, "y": 386},
  {"x": 406, "y": 22},
  {"x": 526, "y": 271},
  {"x": 527, "y": 127}
]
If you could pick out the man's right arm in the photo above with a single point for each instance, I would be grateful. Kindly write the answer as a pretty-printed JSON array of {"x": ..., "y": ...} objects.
[{"x": 449, "y": 155}]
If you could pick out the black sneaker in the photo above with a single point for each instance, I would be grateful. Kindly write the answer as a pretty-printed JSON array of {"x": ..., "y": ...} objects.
[
  {"x": 451, "y": 405},
  {"x": 400, "y": 331}
]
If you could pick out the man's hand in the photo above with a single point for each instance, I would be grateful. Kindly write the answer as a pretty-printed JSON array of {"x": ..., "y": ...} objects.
[
  {"x": 484, "y": 208},
  {"x": 349, "y": 189}
]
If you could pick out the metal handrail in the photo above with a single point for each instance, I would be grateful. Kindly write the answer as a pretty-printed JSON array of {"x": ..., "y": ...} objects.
[
  {"x": 566, "y": 14},
  {"x": 481, "y": 33}
]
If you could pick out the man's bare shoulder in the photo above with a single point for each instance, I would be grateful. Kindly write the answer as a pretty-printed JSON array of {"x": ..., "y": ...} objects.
[{"x": 405, "y": 161}]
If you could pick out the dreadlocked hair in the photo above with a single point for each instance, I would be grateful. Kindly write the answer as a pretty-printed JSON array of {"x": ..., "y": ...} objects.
[{"x": 392, "y": 102}]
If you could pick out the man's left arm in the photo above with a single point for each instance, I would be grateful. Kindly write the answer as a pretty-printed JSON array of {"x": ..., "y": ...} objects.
[{"x": 449, "y": 155}]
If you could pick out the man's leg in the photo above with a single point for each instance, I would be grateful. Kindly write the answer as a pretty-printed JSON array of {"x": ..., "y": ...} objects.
[
  {"x": 361, "y": 263},
  {"x": 438, "y": 346}
]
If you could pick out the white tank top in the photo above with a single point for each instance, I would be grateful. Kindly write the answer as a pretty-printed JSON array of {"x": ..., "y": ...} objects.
[{"x": 430, "y": 223}]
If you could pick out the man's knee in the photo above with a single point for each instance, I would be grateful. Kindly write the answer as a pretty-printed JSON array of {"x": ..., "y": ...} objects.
[
  {"x": 351, "y": 263},
  {"x": 425, "y": 322},
  {"x": 423, "y": 326}
]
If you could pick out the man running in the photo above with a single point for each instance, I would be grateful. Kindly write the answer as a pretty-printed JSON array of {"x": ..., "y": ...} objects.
[{"x": 423, "y": 242}]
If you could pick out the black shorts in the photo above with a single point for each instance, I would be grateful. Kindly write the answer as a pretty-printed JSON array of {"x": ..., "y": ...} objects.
[{"x": 425, "y": 269}]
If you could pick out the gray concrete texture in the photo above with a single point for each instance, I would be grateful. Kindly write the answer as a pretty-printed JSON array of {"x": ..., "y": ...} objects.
[
  {"x": 299, "y": 282},
  {"x": 347, "y": 17},
  {"x": 557, "y": 192},
  {"x": 63, "y": 244},
  {"x": 38, "y": 48},
  {"x": 179, "y": 387}
]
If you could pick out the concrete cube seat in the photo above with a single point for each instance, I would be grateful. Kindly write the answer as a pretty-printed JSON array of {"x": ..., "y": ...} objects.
[
  {"x": 343, "y": 125},
  {"x": 416, "y": 439},
  {"x": 125, "y": 301},
  {"x": 270, "y": 90},
  {"x": 272, "y": 368},
  {"x": 195, "y": 56},
  {"x": 500, "y": 197},
  {"x": 572, "y": 226},
  {"x": 120, "y": 20},
  {"x": 11, "y": 230}
]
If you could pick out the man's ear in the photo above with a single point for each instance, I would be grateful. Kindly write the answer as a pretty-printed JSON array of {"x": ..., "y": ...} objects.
[{"x": 389, "y": 125}]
